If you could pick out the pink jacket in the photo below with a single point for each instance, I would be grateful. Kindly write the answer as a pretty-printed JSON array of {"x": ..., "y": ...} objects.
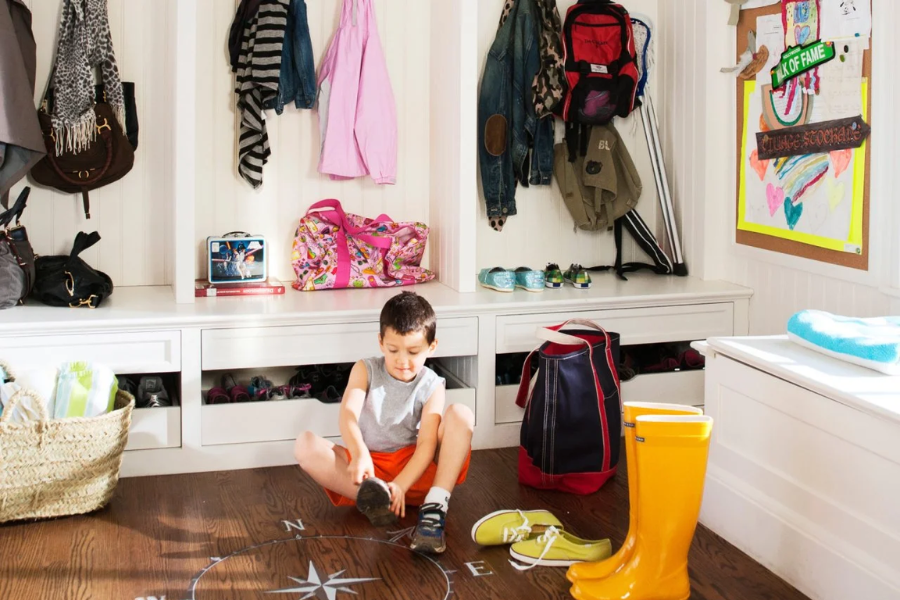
[{"x": 357, "y": 115}]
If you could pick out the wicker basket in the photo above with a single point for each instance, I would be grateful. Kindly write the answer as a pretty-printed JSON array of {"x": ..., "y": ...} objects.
[{"x": 59, "y": 467}]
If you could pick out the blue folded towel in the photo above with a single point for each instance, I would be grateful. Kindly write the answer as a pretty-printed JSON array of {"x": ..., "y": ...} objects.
[{"x": 872, "y": 343}]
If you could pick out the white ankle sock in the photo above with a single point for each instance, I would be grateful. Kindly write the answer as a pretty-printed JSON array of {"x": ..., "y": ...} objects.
[{"x": 438, "y": 496}]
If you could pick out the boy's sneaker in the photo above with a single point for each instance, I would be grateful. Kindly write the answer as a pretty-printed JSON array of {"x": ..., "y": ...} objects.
[
  {"x": 337, "y": 375},
  {"x": 151, "y": 393},
  {"x": 126, "y": 384},
  {"x": 511, "y": 526},
  {"x": 553, "y": 277},
  {"x": 578, "y": 277},
  {"x": 311, "y": 375},
  {"x": 330, "y": 395},
  {"x": 429, "y": 534},
  {"x": 373, "y": 499}
]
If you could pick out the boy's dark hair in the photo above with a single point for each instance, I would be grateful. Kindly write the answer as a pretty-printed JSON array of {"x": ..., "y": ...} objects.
[{"x": 408, "y": 312}]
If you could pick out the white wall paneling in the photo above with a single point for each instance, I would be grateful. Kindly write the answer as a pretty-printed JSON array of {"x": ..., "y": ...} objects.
[
  {"x": 699, "y": 133},
  {"x": 132, "y": 214},
  {"x": 683, "y": 117},
  {"x": 183, "y": 64},
  {"x": 453, "y": 192},
  {"x": 543, "y": 230}
]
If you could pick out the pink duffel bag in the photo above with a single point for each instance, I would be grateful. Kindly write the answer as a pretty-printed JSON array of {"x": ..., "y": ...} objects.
[{"x": 333, "y": 249}]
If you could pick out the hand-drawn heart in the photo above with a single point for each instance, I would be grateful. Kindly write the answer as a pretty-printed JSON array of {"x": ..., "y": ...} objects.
[
  {"x": 840, "y": 160},
  {"x": 801, "y": 34},
  {"x": 760, "y": 166},
  {"x": 835, "y": 193},
  {"x": 775, "y": 198},
  {"x": 792, "y": 212}
]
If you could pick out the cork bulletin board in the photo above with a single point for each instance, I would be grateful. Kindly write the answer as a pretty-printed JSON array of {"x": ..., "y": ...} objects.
[{"x": 831, "y": 224}]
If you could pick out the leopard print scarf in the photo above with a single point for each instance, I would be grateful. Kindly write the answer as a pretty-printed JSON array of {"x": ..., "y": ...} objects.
[
  {"x": 84, "y": 43},
  {"x": 549, "y": 85}
]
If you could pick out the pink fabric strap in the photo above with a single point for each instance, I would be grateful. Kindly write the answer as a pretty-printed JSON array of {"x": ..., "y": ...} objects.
[{"x": 337, "y": 217}]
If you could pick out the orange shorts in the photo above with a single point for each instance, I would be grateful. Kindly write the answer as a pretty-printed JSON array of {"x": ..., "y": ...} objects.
[{"x": 389, "y": 464}]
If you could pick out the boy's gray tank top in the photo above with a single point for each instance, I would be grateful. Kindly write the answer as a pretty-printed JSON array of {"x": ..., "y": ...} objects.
[{"x": 390, "y": 416}]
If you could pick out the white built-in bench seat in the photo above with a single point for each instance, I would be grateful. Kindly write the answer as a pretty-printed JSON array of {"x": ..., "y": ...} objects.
[{"x": 804, "y": 466}]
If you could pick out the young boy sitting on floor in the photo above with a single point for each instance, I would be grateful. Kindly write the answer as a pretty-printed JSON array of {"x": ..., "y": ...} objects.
[{"x": 399, "y": 449}]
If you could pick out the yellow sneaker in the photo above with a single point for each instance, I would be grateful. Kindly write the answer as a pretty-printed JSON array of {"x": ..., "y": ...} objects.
[
  {"x": 510, "y": 526},
  {"x": 556, "y": 548}
]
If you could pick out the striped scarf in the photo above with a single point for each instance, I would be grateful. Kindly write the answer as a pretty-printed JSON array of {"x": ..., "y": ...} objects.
[{"x": 259, "y": 66}]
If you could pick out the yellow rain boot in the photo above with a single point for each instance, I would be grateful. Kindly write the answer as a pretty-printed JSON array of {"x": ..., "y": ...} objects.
[
  {"x": 671, "y": 454},
  {"x": 605, "y": 568}
]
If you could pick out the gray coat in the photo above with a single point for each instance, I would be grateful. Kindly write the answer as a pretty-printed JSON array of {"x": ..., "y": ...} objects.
[{"x": 21, "y": 143}]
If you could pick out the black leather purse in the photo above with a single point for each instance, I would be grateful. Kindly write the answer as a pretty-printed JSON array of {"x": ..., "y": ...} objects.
[
  {"x": 15, "y": 248},
  {"x": 68, "y": 280}
]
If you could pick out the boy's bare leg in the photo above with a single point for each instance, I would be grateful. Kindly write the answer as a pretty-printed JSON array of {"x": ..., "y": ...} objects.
[
  {"x": 454, "y": 443},
  {"x": 325, "y": 462}
]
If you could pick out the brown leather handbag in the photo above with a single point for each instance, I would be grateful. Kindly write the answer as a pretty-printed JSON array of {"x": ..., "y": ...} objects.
[{"x": 108, "y": 158}]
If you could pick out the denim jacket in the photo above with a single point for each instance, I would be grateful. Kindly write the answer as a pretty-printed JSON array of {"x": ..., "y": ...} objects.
[
  {"x": 508, "y": 127},
  {"x": 297, "y": 78}
]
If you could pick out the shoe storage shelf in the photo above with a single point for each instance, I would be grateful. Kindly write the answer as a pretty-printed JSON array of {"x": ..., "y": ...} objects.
[
  {"x": 273, "y": 351},
  {"x": 133, "y": 353},
  {"x": 804, "y": 466},
  {"x": 143, "y": 330}
]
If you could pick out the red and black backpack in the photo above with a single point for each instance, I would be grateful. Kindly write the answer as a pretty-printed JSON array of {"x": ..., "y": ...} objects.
[{"x": 600, "y": 63}]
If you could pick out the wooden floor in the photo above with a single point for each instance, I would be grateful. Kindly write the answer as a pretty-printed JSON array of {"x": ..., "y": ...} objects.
[{"x": 237, "y": 534}]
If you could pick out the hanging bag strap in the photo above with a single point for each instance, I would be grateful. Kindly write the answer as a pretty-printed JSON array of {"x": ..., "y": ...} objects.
[
  {"x": 83, "y": 241},
  {"x": 16, "y": 211}
]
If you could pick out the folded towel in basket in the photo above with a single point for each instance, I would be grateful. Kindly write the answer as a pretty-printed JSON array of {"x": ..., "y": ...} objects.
[
  {"x": 84, "y": 390},
  {"x": 872, "y": 343}
]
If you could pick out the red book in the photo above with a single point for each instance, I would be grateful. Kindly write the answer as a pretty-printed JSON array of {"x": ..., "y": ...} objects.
[{"x": 205, "y": 289}]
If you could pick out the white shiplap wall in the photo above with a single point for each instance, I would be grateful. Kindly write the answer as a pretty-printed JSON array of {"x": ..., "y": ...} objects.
[
  {"x": 682, "y": 120},
  {"x": 224, "y": 202},
  {"x": 698, "y": 133},
  {"x": 132, "y": 215},
  {"x": 542, "y": 232},
  {"x": 453, "y": 190}
]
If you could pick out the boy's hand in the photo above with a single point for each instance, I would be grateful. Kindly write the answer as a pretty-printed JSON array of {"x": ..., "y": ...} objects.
[
  {"x": 398, "y": 499},
  {"x": 361, "y": 468}
]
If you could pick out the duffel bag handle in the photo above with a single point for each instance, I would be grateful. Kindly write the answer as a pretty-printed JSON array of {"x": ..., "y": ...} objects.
[
  {"x": 337, "y": 216},
  {"x": 553, "y": 334}
]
